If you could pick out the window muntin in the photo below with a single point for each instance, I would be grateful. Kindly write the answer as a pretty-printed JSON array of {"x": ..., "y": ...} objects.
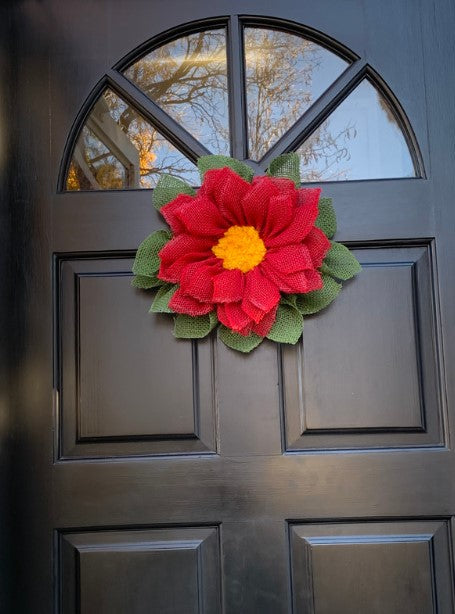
[
  {"x": 187, "y": 78},
  {"x": 364, "y": 137},
  {"x": 285, "y": 74},
  {"x": 119, "y": 149}
]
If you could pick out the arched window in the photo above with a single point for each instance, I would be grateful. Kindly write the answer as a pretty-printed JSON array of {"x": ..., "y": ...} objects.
[{"x": 253, "y": 90}]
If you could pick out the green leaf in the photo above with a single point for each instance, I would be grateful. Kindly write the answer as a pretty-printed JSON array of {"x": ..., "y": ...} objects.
[
  {"x": 326, "y": 219},
  {"x": 287, "y": 165},
  {"x": 288, "y": 325},
  {"x": 239, "y": 342},
  {"x": 312, "y": 302},
  {"x": 168, "y": 188},
  {"x": 340, "y": 262},
  {"x": 147, "y": 261},
  {"x": 145, "y": 283},
  {"x": 206, "y": 163},
  {"x": 189, "y": 327},
  {"x": 213, "y": 319},
  {"x": 289, "y": 299},
  {"x": 162, "y": 298}
]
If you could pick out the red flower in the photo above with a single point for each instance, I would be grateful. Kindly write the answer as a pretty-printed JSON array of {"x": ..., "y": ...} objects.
[{"x": 237, "y": 246}]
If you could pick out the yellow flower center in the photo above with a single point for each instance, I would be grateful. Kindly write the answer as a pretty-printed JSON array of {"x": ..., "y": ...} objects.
[{"x": 240, "y": 247}]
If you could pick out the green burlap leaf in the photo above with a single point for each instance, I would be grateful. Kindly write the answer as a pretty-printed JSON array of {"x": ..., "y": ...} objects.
[
  {"x": 189, "y": 327},
  {"x": 239, "y": 342},
  {"x": 287, "y": 165},
  {"x": 340, "y": 262},
  {"x": 213, "y": 319},
  {"x": 145, "y": 283},
  {"x": 326, "y": 219},
  {"x": 168, "y": 188},
  {"x": 312, "y": 302},
  {"x": 288, "y": 325},
  {"x": 147, "y": 261},
  {"x": 162, "y": 298},
  {"x": 289, "y": 299},
  {"x": 206, "y": 163}
]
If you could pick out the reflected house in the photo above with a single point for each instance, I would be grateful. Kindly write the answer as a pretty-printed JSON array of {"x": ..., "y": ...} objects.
[{"x": 119, "y": 149}]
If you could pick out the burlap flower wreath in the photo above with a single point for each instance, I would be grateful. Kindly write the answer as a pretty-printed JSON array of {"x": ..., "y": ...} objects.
[{"x": 252, "y": 256}]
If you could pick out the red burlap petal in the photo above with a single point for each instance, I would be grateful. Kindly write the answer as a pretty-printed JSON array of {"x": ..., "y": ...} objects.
[
  {"x": 233, "y": 316},
  {"x": 297, "y": 282},
  {"x": 180, "y": 303},
  {"x": 261, "y": 294},
  {"x": 290, "y": 283},
  {"x": 284, "y": 185},
  {"x": 318, "y": 245},
  {"x": 263, "y": 327},
  {"x": 201, "y": 217},
  {"x": 308, "y": 196},
  {"x": 226, "y": 189},
  {"x": 290, "y": 258},
  {"x": 255, "y": 313},
  {"x": 169, "y": 211},
  {"x": 196, "y": 279},
  {"x": 246, "y": 330},
  {"x": 179, "y": 252},
  {"x": 304, "y": 218},
  {"x": 280, "y": 215},
  {"x": 256, "y": 202},
  {"x": 228, "y": 286},
  {"x": 314, "y": 280}
]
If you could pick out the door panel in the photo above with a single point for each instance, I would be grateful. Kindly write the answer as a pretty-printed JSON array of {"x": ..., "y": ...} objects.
[
  {"x": 173, "y": 569},
  {"x": 388, "y": 567},
  {"x": 388, "y": 321},
  {"x": 158, "y": 474},
  {"x": 108, "y": 408}
]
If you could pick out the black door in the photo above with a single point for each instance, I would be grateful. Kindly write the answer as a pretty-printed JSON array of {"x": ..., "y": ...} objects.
[{"x": 158, "y": 475}]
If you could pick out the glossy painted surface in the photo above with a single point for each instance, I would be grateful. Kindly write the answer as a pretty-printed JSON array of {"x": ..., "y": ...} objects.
[
  {"x": 6, "y": 154},
  {"x": 228, "y": 483}
]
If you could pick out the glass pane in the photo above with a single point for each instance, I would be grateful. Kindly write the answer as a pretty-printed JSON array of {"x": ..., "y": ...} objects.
[
  {"x": 361, "y": 139},
  {"x": 284, "y": 74},
  {"x": 188, "y": 79},
  {"x": 117, "y": 149}
]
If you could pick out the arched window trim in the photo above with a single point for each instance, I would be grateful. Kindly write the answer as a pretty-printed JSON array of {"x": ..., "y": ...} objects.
[{"x": 289, "y": 141}]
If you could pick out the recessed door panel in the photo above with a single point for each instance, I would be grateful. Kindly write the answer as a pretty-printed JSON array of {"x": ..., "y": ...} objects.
[
  {"x": 353, "y": 568},
  {"x": 366, "y": 373},
  {"x": 170, "y": 571},
  {"x": 127, "y": 386}
]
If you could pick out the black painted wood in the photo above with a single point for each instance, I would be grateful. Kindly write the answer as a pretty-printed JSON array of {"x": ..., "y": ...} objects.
[
  {"x": 237, "y": 94},
  {"x": 395, "y": 294},
  {"x": 247, "y": 511},
  {"x": 6, "y": 154},
  {"x": 116, "y": 398},
  {"x": 352, "y": 568},
  {"x": 168, "y": 570}
]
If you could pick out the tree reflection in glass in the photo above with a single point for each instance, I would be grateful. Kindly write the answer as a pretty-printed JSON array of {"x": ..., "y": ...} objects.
[
  {"x": 361, "y": 139},
  {"x": 118, "y": 148},
  {"x": 187, "y": 78},
  {"x": 285, "y": 74}
]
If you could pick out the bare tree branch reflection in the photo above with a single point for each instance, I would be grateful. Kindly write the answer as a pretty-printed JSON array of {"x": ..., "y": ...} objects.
[{"x": 188, "y": 79}]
